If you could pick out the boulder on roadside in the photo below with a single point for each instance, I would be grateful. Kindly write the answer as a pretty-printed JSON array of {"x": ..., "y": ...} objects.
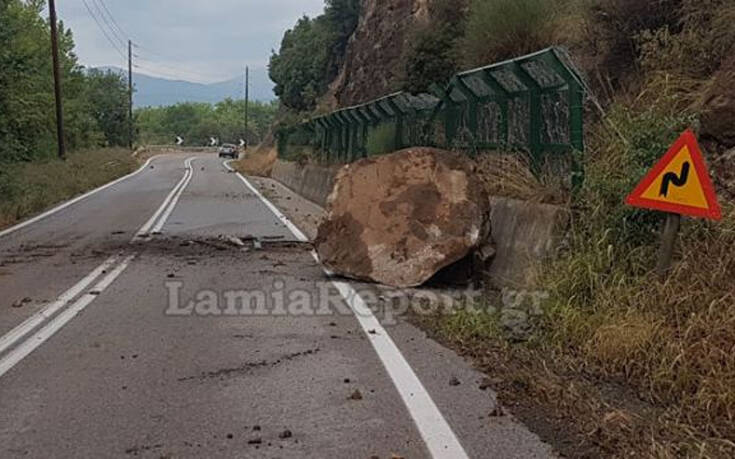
[{"x": 399, "y": 219}]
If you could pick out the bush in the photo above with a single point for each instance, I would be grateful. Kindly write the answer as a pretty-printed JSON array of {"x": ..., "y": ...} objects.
[
  {"x": 617, "y": 24},
  {"x": 432, "y": 55},
  {"x": 697, "y": 46},
  {"x": 501, "y": 29}
]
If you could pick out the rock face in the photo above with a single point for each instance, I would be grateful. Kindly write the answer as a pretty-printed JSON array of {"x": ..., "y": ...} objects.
[
  {"x": 399, "y": 219},
  {"x": 718, "y": 119},
  {"x": 372, "y": 64}
]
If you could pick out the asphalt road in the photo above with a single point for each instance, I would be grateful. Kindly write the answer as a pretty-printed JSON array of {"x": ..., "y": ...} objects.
[{"x": 132, "y": 324}]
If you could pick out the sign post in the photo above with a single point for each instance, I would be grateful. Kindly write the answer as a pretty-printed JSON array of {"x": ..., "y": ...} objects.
[
  {"x": 668, "y": 239},
  {"x": 679, "y": 184}
]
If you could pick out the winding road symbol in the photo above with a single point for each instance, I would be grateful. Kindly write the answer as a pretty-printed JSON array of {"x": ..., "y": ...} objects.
[
  {"x": 679, "y": 183},
  {"x": 671, "y": 178}
]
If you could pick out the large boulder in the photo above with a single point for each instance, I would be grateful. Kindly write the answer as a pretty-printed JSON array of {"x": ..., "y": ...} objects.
[
  {"x": 718, "y": 117},
  {"x": 399, "y": 219}
]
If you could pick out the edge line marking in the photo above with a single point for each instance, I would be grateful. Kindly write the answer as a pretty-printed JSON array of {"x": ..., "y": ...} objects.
[{"x": 433, "y": 427}]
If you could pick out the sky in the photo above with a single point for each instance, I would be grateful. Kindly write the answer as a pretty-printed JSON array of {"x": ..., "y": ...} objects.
[{"x": 195, "y": 40}]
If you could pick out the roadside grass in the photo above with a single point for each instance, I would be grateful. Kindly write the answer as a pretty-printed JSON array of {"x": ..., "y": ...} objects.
[
  {"x": 509, "y": 175},
  {"x": 621, "y": 363},
  {"x": 29, "y": 188}
]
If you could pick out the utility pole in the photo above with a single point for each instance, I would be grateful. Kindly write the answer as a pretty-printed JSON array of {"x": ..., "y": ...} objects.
[
  {"x": 130, "y": 94},
  {"x": 247, "y": 101},
  {"x": 57, "y": 80}
]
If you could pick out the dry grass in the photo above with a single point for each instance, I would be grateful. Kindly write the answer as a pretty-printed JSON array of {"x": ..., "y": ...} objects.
[
  {"x": 509, "y": 175},
  {"x": 673, "y": 343},
  {"x": 29, "y": 188}
]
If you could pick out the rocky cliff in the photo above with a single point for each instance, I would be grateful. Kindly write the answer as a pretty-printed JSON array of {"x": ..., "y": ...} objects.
[{"x": 372, "y": 64}]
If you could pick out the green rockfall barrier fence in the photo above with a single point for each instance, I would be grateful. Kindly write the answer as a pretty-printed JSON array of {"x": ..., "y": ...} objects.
[{"x": 532, "y": 104}]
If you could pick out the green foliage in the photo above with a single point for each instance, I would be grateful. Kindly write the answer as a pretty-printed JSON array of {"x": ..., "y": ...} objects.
[
  {"x": 501, "y": 29},
  {"x": 381, "y": 139},
  {"x": 197, "y": 122},
  {"x": 432, "y": 56},
  {"x": 27, "y": 118},
  {"x": 107, "y": 94},
  {"x": 617, "y": 167},
  {"x": 311, "y": 53}
]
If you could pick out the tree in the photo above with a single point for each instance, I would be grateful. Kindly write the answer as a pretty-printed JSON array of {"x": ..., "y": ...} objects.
[
  {"x": 92, "y": 103},
  {"x": 311, "y": 54},
  {"x": 107, "y": 95}
]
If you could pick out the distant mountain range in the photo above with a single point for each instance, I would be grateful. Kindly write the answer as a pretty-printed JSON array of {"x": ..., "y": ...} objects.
[{"x": 154, "y": 91}]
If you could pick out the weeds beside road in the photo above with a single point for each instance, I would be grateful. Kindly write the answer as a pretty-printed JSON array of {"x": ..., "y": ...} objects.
[{"x": 28, "y": 188}]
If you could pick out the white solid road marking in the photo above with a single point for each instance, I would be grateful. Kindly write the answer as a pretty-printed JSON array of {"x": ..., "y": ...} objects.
[
  {"x": 172, "y": 206},
  {"x": 41, "y": 336},
  {"x": 294, "y": 229},
  {"x": 438, "y": 436},
  {"x": 72, "y": 202},
  {"x": 146, "y": 228},
  {"x": 54, "y": 325},
  {"x": 435, "y": 430},
  {"x": 36, "y": 319}
]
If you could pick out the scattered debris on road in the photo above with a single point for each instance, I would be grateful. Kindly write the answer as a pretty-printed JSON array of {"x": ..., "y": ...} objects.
[
  {"x": 399, "y": 219},
  {"x": 357, "y": 395},
  {"x": 21, "y": 303}
]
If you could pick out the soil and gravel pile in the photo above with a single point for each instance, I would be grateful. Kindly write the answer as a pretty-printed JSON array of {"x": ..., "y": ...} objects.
[{"x": 399, "y": 219}]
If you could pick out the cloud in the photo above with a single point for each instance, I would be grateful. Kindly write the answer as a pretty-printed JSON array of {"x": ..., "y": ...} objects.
[{"x": 197, "y": 40}]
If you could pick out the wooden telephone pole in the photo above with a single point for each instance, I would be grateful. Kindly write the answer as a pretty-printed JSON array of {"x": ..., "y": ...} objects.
[
  {"x": 130, "y": 94},
  {"x": 57, "y": 80},
  {"x": 247, "y": 102}
]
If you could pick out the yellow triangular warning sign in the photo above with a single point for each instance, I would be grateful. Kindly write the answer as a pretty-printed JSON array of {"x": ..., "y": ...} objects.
[{"x": 679, "y": 183}]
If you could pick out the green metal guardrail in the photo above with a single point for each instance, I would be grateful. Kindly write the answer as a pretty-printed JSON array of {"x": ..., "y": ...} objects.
[{"x": 532, "y": 103}]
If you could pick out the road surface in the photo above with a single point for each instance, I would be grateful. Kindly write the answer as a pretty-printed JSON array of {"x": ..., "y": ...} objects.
[{"x": 133, "y": 324}]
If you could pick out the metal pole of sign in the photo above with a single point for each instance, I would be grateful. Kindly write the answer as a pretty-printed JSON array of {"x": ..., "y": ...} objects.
[{"x": 668, "y": 240}]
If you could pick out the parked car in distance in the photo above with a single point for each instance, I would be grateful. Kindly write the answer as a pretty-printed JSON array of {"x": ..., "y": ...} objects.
[{"x": 228, "y": 151}]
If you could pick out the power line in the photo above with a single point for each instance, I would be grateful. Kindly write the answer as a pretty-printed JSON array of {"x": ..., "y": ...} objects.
[
  {"x": 104, "y": 32},
  {"x": 120, "y": 29},
  {"x": 101, "y": 13},
  {"x": 159, "y": 73},
  {"x": 178, "y": 69},
  {"x": 113, "y": 32}
]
